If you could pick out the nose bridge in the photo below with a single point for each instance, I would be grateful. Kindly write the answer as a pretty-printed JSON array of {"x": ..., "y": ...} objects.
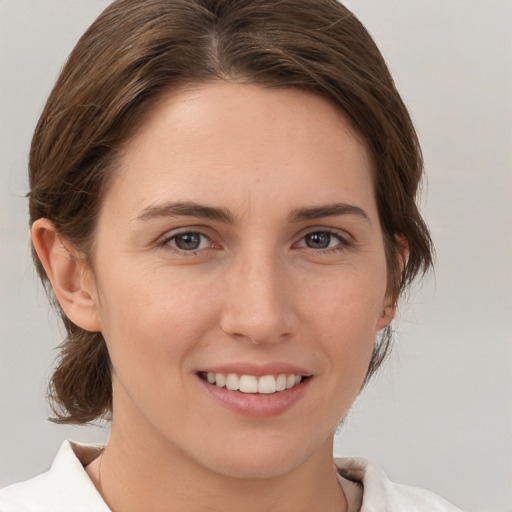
[{"x": 257, "y": 304}]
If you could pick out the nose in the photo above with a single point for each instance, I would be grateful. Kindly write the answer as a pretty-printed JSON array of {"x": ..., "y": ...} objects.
[{"x": 258, "y": 300}]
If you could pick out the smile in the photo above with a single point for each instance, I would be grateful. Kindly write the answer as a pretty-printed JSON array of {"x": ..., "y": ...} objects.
[{"x": 266, "y": 384}]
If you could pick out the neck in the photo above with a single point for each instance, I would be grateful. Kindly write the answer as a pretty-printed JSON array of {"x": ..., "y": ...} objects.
[{"x": 134, "y": 476}]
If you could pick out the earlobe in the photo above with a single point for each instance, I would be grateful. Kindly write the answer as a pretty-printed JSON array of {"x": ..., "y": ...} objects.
[
  {"x": 386, "y": 316},
  {"x": 67, "y": 273}
]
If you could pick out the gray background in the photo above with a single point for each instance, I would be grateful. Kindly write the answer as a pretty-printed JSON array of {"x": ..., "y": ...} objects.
[{"x": 440, "y": 414}]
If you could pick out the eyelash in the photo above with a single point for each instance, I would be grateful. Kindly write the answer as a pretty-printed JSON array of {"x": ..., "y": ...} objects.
[
  {"x": 167, "y": 241},
  {"x": 343, "y": 242},
  {"x": 342, "y": 245}
]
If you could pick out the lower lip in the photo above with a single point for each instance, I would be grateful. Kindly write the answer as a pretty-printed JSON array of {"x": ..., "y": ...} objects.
[{"x": 255, "y": 404}]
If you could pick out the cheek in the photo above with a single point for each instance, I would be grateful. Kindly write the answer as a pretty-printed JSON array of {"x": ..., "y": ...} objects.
[
  {"x": 149, "y": 317},
  {"x": 346, "y": 315},
  {"x": 351, "y": 299}
]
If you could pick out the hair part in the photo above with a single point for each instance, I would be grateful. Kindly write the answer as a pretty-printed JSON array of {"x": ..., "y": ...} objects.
[{"x": 139, "y": 49}]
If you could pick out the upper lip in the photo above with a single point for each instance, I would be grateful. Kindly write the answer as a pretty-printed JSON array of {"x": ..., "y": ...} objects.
[{"x": 258, "y": 370}]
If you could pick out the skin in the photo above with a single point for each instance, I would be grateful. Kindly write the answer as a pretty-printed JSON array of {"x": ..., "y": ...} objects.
[{"x": 253, "y": 291}]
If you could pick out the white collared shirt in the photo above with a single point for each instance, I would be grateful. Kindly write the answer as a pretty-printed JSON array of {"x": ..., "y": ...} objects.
[{"x": 66, "y": 487}]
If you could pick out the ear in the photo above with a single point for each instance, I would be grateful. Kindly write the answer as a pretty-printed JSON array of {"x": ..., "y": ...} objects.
[
  {"x": 387, "y": 314},
  {"x": 70, "y": 279},
  {"x": 390, "y": 303}
]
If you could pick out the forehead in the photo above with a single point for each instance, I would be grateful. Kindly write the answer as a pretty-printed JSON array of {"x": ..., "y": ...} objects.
[{"x": 237, "y": 141}]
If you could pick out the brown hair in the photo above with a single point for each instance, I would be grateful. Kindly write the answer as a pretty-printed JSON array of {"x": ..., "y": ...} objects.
[{"x": 136, "y": 50}]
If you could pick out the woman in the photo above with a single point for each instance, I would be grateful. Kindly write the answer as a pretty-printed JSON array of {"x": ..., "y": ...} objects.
[{"x": 223, "y": 206}]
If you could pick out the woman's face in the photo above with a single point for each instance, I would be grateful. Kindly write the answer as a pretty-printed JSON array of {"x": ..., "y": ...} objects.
[{"x": 239, "y": 241}]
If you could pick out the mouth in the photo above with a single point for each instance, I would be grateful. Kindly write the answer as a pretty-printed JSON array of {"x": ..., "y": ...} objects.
[{"x": 252, "y": 384}]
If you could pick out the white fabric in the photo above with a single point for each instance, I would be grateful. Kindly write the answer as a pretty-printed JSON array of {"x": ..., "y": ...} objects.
[
  {"x": 379, "y": 494},
  {"x": 66, "y": 487}
]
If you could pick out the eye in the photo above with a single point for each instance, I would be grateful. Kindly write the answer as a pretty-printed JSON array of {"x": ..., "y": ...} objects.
[
  {"x": 321, "y": 240},
  {"x": 318, "y": 240},
  {"x": 188, "y": 241}
]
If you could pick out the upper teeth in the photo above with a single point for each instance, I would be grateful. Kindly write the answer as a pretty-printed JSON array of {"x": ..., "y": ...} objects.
[{"x": 251, "y": 384}]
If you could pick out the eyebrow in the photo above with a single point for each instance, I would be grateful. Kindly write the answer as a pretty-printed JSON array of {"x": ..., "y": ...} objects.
[
  {"x": 329, "y": 210},
  {"x": 191, "y": 209},
  {"x": 187, "y": 209}
]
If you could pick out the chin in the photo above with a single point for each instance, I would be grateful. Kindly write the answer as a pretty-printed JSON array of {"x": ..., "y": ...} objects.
[
  {"x": 245, "y": 468},
  {"x": 258, "y": 461}
]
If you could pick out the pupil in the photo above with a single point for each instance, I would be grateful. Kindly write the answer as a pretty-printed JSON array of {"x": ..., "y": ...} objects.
[
  {"x": 318, "y": 240},
  {"x": 188, "y": 241}
]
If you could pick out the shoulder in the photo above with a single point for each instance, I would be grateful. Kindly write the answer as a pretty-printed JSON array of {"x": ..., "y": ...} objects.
[
  {"x": 64, "y": 487},
  {"x": 383, "y": 495}
]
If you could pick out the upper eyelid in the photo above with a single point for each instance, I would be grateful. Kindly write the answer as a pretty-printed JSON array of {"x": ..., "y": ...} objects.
[
  {"x": 186, "y": 232},
  {"x": 169, "y": 234},
  {"x": 342, "y": 233}
]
